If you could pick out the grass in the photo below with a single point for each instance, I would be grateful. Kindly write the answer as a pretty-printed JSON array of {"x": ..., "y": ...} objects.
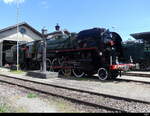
[
  {"x": 65, "y": 107},
  {"x": 10, "y": 109},
  {"x": 32, "y": 95},
  {"x": 61, "y": 105},
  {"x": 21, "y": 110},
  {"x": 4, "y": 108},
  {"x": 17, "y": 72}
]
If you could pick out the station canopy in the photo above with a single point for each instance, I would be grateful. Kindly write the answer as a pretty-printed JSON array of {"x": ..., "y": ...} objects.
[{"x": 142, "y": 35}]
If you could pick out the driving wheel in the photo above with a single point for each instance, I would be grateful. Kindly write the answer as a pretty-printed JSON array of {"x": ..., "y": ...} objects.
[{"x": 78, "y": 73}]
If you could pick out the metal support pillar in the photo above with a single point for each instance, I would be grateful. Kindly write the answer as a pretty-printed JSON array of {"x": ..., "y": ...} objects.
[{"x": 44, "y": 32}]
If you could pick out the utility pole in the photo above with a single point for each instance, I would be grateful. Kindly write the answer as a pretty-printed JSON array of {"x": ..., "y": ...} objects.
[{"x": 44, "y": 33}]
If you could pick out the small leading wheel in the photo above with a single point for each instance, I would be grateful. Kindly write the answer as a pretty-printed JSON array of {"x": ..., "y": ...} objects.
[
  {"x": 103, "y": 74},
  {"x": 78, "y": 73},
  {"x": 114, "y": 74}
]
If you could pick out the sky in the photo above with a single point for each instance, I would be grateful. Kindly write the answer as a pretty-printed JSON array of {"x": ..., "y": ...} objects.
[{"x": 122, "y": 16}]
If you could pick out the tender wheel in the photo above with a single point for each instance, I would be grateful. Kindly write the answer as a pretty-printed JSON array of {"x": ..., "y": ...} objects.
[
  {"x": 103, "y": 74},
  {"x": 114, "y": 74},
  {"x": 78, "y": 73}
]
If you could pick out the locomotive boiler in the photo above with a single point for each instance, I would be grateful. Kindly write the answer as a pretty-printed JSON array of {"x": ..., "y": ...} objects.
[{"x": 92, "y": 51}]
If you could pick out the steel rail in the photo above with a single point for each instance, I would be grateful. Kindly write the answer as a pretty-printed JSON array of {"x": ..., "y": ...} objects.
[
  {"x": 137, "y": 74},
  {"x": 136, "y": 81},
  {"x": 85, "y": 91},
  {"x": 61, "y": 96}
]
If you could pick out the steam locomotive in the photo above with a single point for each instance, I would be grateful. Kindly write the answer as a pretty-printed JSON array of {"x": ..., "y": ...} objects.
[
  {"x": 140, "y": 52},
  {"x": 92, "y": 51}
]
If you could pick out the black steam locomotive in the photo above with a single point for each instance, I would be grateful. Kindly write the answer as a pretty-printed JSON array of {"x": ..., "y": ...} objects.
[{"x": 92, "y": 51}]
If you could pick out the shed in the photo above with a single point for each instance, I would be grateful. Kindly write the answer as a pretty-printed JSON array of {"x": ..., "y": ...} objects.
[{"x": 8, "y": 37}]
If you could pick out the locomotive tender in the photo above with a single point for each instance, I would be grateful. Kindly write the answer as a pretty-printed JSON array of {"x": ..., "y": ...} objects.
[{"x": 92, "y": 51}]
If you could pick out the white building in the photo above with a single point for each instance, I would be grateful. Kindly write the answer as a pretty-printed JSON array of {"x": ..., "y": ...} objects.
[{"x": 8, "y": 37}]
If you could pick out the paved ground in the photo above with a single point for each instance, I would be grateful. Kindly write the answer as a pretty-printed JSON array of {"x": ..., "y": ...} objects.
[
  {"x": 140, "y": 72},
  {"x": 120, "y": 88}
]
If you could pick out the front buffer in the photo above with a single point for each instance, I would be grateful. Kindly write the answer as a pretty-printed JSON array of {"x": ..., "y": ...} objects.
[{"x": 113, "y": 71}]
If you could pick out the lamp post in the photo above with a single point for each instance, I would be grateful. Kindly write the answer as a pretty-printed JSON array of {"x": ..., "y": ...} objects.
[
  {"x": 44, "y": 32},
  {"x": 17, "y": 36},
  {"x": 57, "y": 27}
]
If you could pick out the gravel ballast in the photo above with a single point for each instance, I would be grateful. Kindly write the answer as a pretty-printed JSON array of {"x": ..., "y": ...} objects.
[
  {"x": 119, "y": 88},
  {"x": 15, "y": 98},
  {"x": 90, "y": 98}
]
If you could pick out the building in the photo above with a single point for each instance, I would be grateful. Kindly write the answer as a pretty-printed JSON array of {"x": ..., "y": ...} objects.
[
  {"x": 8, "y": 37},
  {"x": 142, "y": 35},
  {"x": 145, "y": 37}
]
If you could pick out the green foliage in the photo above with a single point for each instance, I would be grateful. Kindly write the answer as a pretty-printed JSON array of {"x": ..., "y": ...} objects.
[
  {"x": 17, "y": 72},
  {"x": 31, "y": 95},
  {"x": 4, "y": 108}
]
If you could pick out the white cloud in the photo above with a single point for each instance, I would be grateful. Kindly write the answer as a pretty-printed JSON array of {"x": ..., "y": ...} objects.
[
  {"x": 13, "y": 1},
  {"x": 44, "y": 4}
]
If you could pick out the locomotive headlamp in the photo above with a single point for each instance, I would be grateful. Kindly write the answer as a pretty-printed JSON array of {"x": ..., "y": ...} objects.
[{"x": 100, "y": 53}]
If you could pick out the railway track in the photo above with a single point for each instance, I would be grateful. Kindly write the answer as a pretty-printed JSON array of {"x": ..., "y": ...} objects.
[
  {"x": 130, "y": 80},
  {"x": 138, "y": 74},
  {"x": 97, "y": 100},
  {"x": 126, "y": 80}
]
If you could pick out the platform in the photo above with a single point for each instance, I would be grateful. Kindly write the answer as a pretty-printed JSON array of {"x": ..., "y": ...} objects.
[
  {"x": 138, "y": 73},
  {"x": 42, "y": 75}
]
